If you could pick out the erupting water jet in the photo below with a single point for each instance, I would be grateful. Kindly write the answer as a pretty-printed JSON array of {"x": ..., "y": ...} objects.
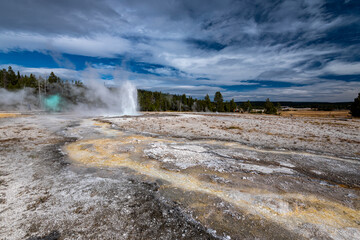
[{"x": 128, "y": 99}]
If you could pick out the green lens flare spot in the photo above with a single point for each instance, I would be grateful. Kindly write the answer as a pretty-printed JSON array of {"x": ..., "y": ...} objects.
[{"x": 52, "y": 103}]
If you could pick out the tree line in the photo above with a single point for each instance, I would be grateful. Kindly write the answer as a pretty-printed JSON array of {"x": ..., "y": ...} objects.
[
  {"x": 148, "y": 100},
  {"x": 156, "y": 101},
  {"x": 14, "y": 81}
]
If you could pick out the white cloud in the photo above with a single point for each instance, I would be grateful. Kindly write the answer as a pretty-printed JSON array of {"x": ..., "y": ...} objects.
[
  {"x": 343, "y": 68},
  {"x": 263, "y": 41},
  {"x": 95, "y": 46},
  {"x": 322, "y": 91}
]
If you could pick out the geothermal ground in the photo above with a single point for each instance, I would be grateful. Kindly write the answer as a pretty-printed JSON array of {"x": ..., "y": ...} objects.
[{"x": 179, "y": 176}]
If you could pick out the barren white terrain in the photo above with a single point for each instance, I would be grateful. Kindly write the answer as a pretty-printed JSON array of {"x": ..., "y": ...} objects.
[{"x": 179, "y": 176}]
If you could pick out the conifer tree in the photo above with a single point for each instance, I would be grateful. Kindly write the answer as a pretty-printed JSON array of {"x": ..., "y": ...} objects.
[
  {"x": 233, "y": 105},
  {"x": 53, "y": 78},
  {"x": 355, "y": 107},
  {"x": 269, "y": 107},
  {"x": 219, "y": 102},
  {"x": 246, "y": 106},
  {"x": 207, "y": 103}
]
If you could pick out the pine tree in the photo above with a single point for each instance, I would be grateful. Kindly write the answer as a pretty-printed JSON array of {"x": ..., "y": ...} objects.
[
  {"x": 12, "y": 79},
  {"x": 190, "y": 102},
  {"x": 246, "y": 106},
  {"x": 2, "y": 73},
  {"x": 207, "y": 103},
  {"x": 227, "y": 106},
  {"x": 269, "y": 107},
  {"x": 355, "y": 107},
  {"x": 53, "y": 78},
  {"x": 233, "y": 105},
  {"x": 32, "y": 81},
  {"x": 219, "y": 102},
  {"x": 184, "y": 99}
]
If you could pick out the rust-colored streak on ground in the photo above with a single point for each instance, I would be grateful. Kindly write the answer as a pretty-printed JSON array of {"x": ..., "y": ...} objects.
[{"x": 321, "y": 114}]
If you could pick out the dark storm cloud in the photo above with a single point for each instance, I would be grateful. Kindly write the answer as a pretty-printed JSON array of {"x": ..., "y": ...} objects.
[{"x": 298, "y": 42}]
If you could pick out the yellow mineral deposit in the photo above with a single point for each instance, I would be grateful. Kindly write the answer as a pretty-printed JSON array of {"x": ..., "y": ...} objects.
[
  {"x": 9, "y": 115},
  {"x": 288, "y": 209}
]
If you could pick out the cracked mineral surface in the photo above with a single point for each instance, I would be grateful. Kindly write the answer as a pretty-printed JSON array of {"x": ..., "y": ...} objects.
[{"x": 179, "y": 176}]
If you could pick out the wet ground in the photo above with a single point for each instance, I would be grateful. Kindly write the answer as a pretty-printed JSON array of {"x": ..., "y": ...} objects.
[{"x": 179, "y": 176}]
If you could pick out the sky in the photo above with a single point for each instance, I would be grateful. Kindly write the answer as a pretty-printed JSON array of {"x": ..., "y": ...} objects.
[{"x": 294, "y": 50}]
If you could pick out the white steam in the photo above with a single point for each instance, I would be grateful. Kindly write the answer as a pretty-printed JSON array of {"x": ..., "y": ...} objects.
[
  {"x": 118, "y": 99},
  {"x": 22, "y": 100},
  {"x": 93, "y": 99}
]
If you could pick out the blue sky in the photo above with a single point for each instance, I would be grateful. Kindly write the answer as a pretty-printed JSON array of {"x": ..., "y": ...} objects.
[{"x": 285, "y": 50}]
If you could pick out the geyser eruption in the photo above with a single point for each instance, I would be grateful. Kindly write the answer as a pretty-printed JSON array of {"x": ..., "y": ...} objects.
[
  {"x": 119, "y": 98},
  {"x": 128, "y": 99}
]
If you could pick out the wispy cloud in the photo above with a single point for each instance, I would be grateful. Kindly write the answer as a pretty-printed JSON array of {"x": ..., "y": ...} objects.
[{"x": 168, "y": 45}]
